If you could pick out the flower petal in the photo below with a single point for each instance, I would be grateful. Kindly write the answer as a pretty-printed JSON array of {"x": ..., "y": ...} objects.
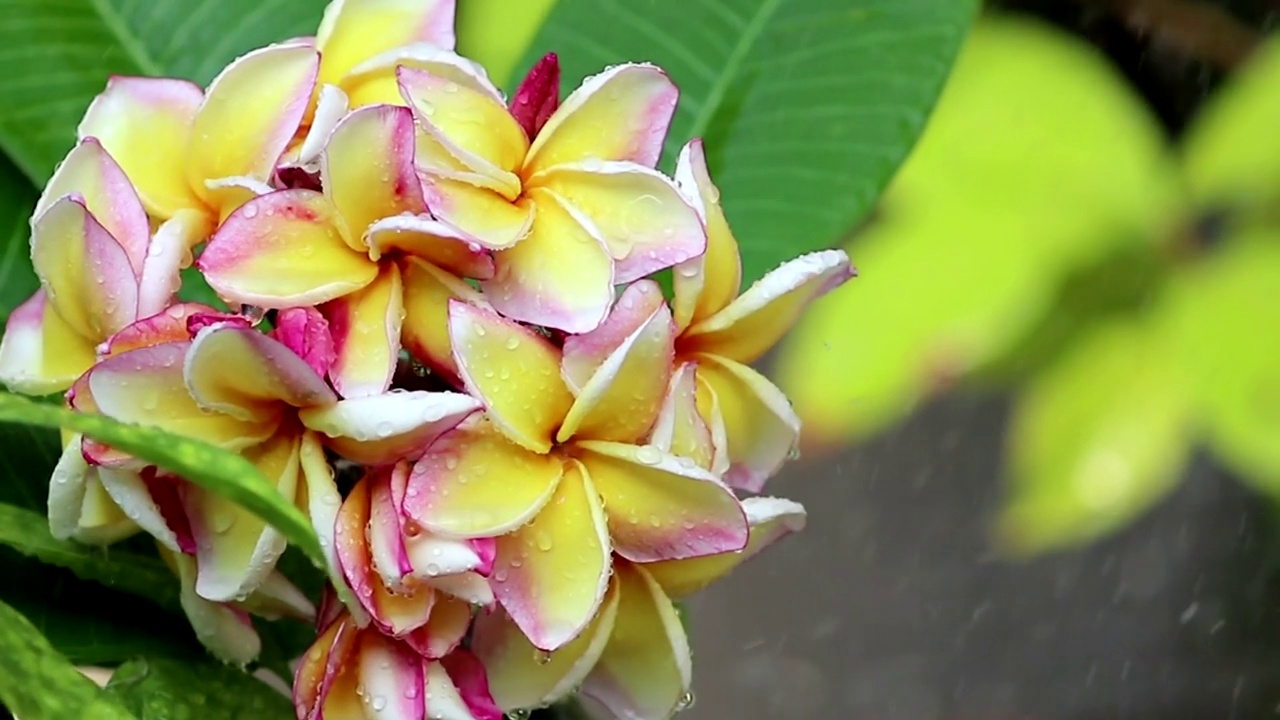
[
  {"x": 354, "y": 30},
  {"x": 645, "y": 671},
  {"x": 381, "y": 429},
  {"x": 704, "y": 284},
  {"x": 428, "y": 291},
  {"x": 620, "y": 114},
  {"x": 171, "y": 326},
  {"x": 473, "y": 125},
  {"x": 661, "y": 507},
  {"x": 750, "y": 325},
  {"x": 284, "y": 250},
  {"x": 92, "y": 176},
  {"x": 319, "y": 668},
  {"x": 243, "y": 373},
  {"x": 473, "y": 482},
  {"x": 761, "y": 429},
  {"x": 366, "y": 335},
  {"x": 169, "y": 252},
  {"x": 367, "y": 168},
  {"x": 469, "y": 676},
  {"x": 520, "y": 675},
  {"x": 86, "y": 274},
  {"x": 384, "y": 529},
  {"x": 552, "y": 573},
  {"x": 392, "y": 683},
  {"x": 514, "y": 371},
  {"x": 621, "y": 400},
  {"x": 322, "y": 502},
  {"x": 225, "y": 631},
  {"x": 538, "y": 95},
  {"x": 151, "y": 501},
  {"x": 252, "y": 111},
  {"x": 558, "y": 276},
  {"x": 486, "y": 217},
  {"x": 145, "y": 123},
  {"x": 681, "y": 430},
  {"x": 444, "y": 631},
  {"x": 67, "y": 490},
  {"x": 306, "y": 332},
  {"x": 331, "y": 106},
  {"x": 40, "y": 353},
  {"x": 771, "y": 519},
  {"x": 585, "y": 353},
  {"x": 644, "y": 221},
  {"x": 374, "y": 80},
  {"x": 443, "y": 699},
  {"x": 434, "y": 241}
]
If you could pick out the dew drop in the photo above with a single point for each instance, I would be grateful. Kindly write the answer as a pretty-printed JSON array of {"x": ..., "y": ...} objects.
[
  {"x": 686, "y": 701},
  {"x": 249, "y": 211},
  {"x": 379, "y": 703},
  {"x": 649, "y": 455},
  {"x": 542, "y": 657},
  {"x": 513, "y": 343},
  {"x": 544, "y": 541}
]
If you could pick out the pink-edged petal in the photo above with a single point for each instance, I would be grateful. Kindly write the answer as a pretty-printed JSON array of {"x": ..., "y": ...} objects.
[
  {"x": 40, "y": 353},
  {"x": 381, "y": 429},
  {"x": 374, "y": 80},
  {"x": 145, "y": 123},
  {"x": 367, "y": 168},
  {"x": 704, "y": 284},
  {"x": 513, "y": 370},
  {"x": 771, "y": 519},
  {"x": 552, "y": 573},
  {"x": 352, "y": 31},
  {"x": 471, "y": 587},
  {"x": 645, "y": 671},
  {"x": 168, "y": 253},
  {"x": 620, "y": 114},
  {"x": 366, "y": 335},
  {"x": 682, "y": 430},
  {"x": 241, "y": 372},
  {"x": 318, "y": 670},
  {"x": 644, "y": 221},
  {"x": 91, "y": 175},
  {"x": 520, "y": 675},
  {"x": 284, "y": 250},
  {"x": 428, "y": 290},
  {"x": 538, "y": 95},
  {"x": 251, "y": 113},
  {"x": 151, "y": 500},
  {"x": 67, "y": 485},
  {"x": 226, "y": 631},
  {"x": 322, "y": 502},
  {"x": 750, "y": 325},
  {"x": 443, "y": 699},
  {"x": 585, "y": 353},
  {"x": 431, "y": 557},
  {"x": 236, "y": 550},
  {"x": 170, "y": 326},
  {"x": 444, "y": 631},
  {"x": 391, "y": 678},
  {"x": 86, "y": 274},
  {"x": 306, "y": 332},
  {"x": 661, "y": 507},
  {"x": 433, "y": 241},
  {"x": 761, "y": 428},
  {"x": 469, "y": 676},
  {"x": 473, "y": 482},
  {"x": 621, "y": 400},
  {"x": 385, "y": 530},
  {"x": 331, "y": 106},
  {"x": 559, "y": 276},
  {"x": 486, "y": 217}
]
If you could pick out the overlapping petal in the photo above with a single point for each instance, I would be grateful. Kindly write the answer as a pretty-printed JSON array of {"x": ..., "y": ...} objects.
[
  {"x": 241, "y": 372},
  {"x": 683, "y": 430},
  {"x": 367, "y": 169},
  {"x": 352, "y": 31},
  {"x": 761, "y": 428},
  {"x": 93, "y": 178},
  {"x": 366, "y": 335},
  {"x": 428, "y": 291},
  {"x": 381, "y": 429},
  {"x": 39, "y": 352},
  {"x": 704, "y": 285}
]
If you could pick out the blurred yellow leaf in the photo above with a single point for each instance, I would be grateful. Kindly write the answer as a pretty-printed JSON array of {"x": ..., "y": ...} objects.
[
  {"x": 1231, "y": 153},
  {"x": 496, "y": 34},
  {"x": 1225, "y": 315},
  {"x": 1095, "y": 440}
]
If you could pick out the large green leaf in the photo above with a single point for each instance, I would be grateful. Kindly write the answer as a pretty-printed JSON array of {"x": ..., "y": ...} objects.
[
  {"x": 807, "y": 106},
  {"x": 17, "y": 198},
  {"x": 217, "y": 470},
  {"x": 160, "y": 689},
  {"x": 1096, "y": 439},
  {"x": 497, "y": 33},
  {"x": 36, "y": 683},
  {"x": 27, "y": 457},
  {"x": 55, "y": 55}
]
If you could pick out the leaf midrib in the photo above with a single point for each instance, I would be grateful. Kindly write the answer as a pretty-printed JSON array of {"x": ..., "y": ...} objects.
[
  {"x": 132, "y": 45},
  {"x": 746, "y": 41}
]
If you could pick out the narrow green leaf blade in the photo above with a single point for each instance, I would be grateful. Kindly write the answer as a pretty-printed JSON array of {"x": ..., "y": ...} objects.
[
  {"x": 36, "y": 683},
  {"x": 217, "y": 470},
  {"x": 497, "y": 33},
  {"x": 807, "y": 106},
  {"x": 17, "y": 279},
  {"x": 161, "y": 689}
]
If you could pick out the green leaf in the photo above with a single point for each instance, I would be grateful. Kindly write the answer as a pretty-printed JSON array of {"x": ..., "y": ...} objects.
[
  {"x": 145, "y": 575},
  {"x": 1225, "y": 315},
  {"x": 497, "y": 33},
  {"x": 1095, "y": 440},
  {"x": 217, "y": 470},
  {"x": 36, "y": 683},
  {"x": 27, "y": 458},
  {"x": 17, "y": 199},
  {"x": 807, "y": 106},
  {"x": 161, "y": 689},
  {"x": 55, "y": 55},
  {"x": 1231, "y": 152}
]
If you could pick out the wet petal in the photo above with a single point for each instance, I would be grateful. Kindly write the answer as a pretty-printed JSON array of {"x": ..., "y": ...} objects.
[
  {"x": 331, "y": 106},
  {"x": 40, "y": 353},
  {"x": 645, "y": 670},
  {"x": 319, "y": 667},
  {"x": 443, "y": 699},
  {"x": 552, "y": 573},
  {"x": 152, "y": 503},
  {"x": 538, "y": 95},
  {"x": 433, "y": 241},
  {"x": 680, "y": 429},
  {"x": 485, "y": 216},
  {"x": 367, "y": 168},
  {"x": 473, "y": 482},
  {"x": 168, "y": 253},
  {"x": 321, "y": 501},
  {"x": 86, "y": 274},
  {"x": 384, "y": 428},
  {"x": 277, "y": 598},
  {"x": 366, "y": 335},
  {"x": 471, "y": 679},
  {"x": 761, "y": 429},
  {"x": 444, "y": 631},
  {"x": 585, "y": 353},
  {"x": 67, "y": 490},
  {"x": 385, "y": 529},
  {"x": 750, "y": 325},
  {"x": 644, "y": 221},
  {"x": 243, "y": 373},
  {"x": 225, "y": 631},
  {"x": 374, "y": 80},
  {"x": 425, "y": 332},
  {"x": 559, "y": 276},
  {"x": 306, "y": 332},
  {"x": 250, "y": 115},
  {"x": 284, "y": 250},
  {"x": 92, "y": 176},
  {"x": 621, "y": 114},
  {"x": 520, "y": 675},
  {"x": 704, "y": 284},
  {"x": 352, "y": 31},
  {"x": 771, "y": 519},
  {"x": 661, "y": 507},
  {"x": 145, "y": 123},
  {"x": 392, "y": 682},
  {"x": 171, "y": 326},
  {"x": 513, "y": 370},
  {"x": 473, "y": 125}
]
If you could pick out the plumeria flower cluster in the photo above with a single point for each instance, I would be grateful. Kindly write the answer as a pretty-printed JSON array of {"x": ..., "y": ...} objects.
[{"x": 438, "y": 335}]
